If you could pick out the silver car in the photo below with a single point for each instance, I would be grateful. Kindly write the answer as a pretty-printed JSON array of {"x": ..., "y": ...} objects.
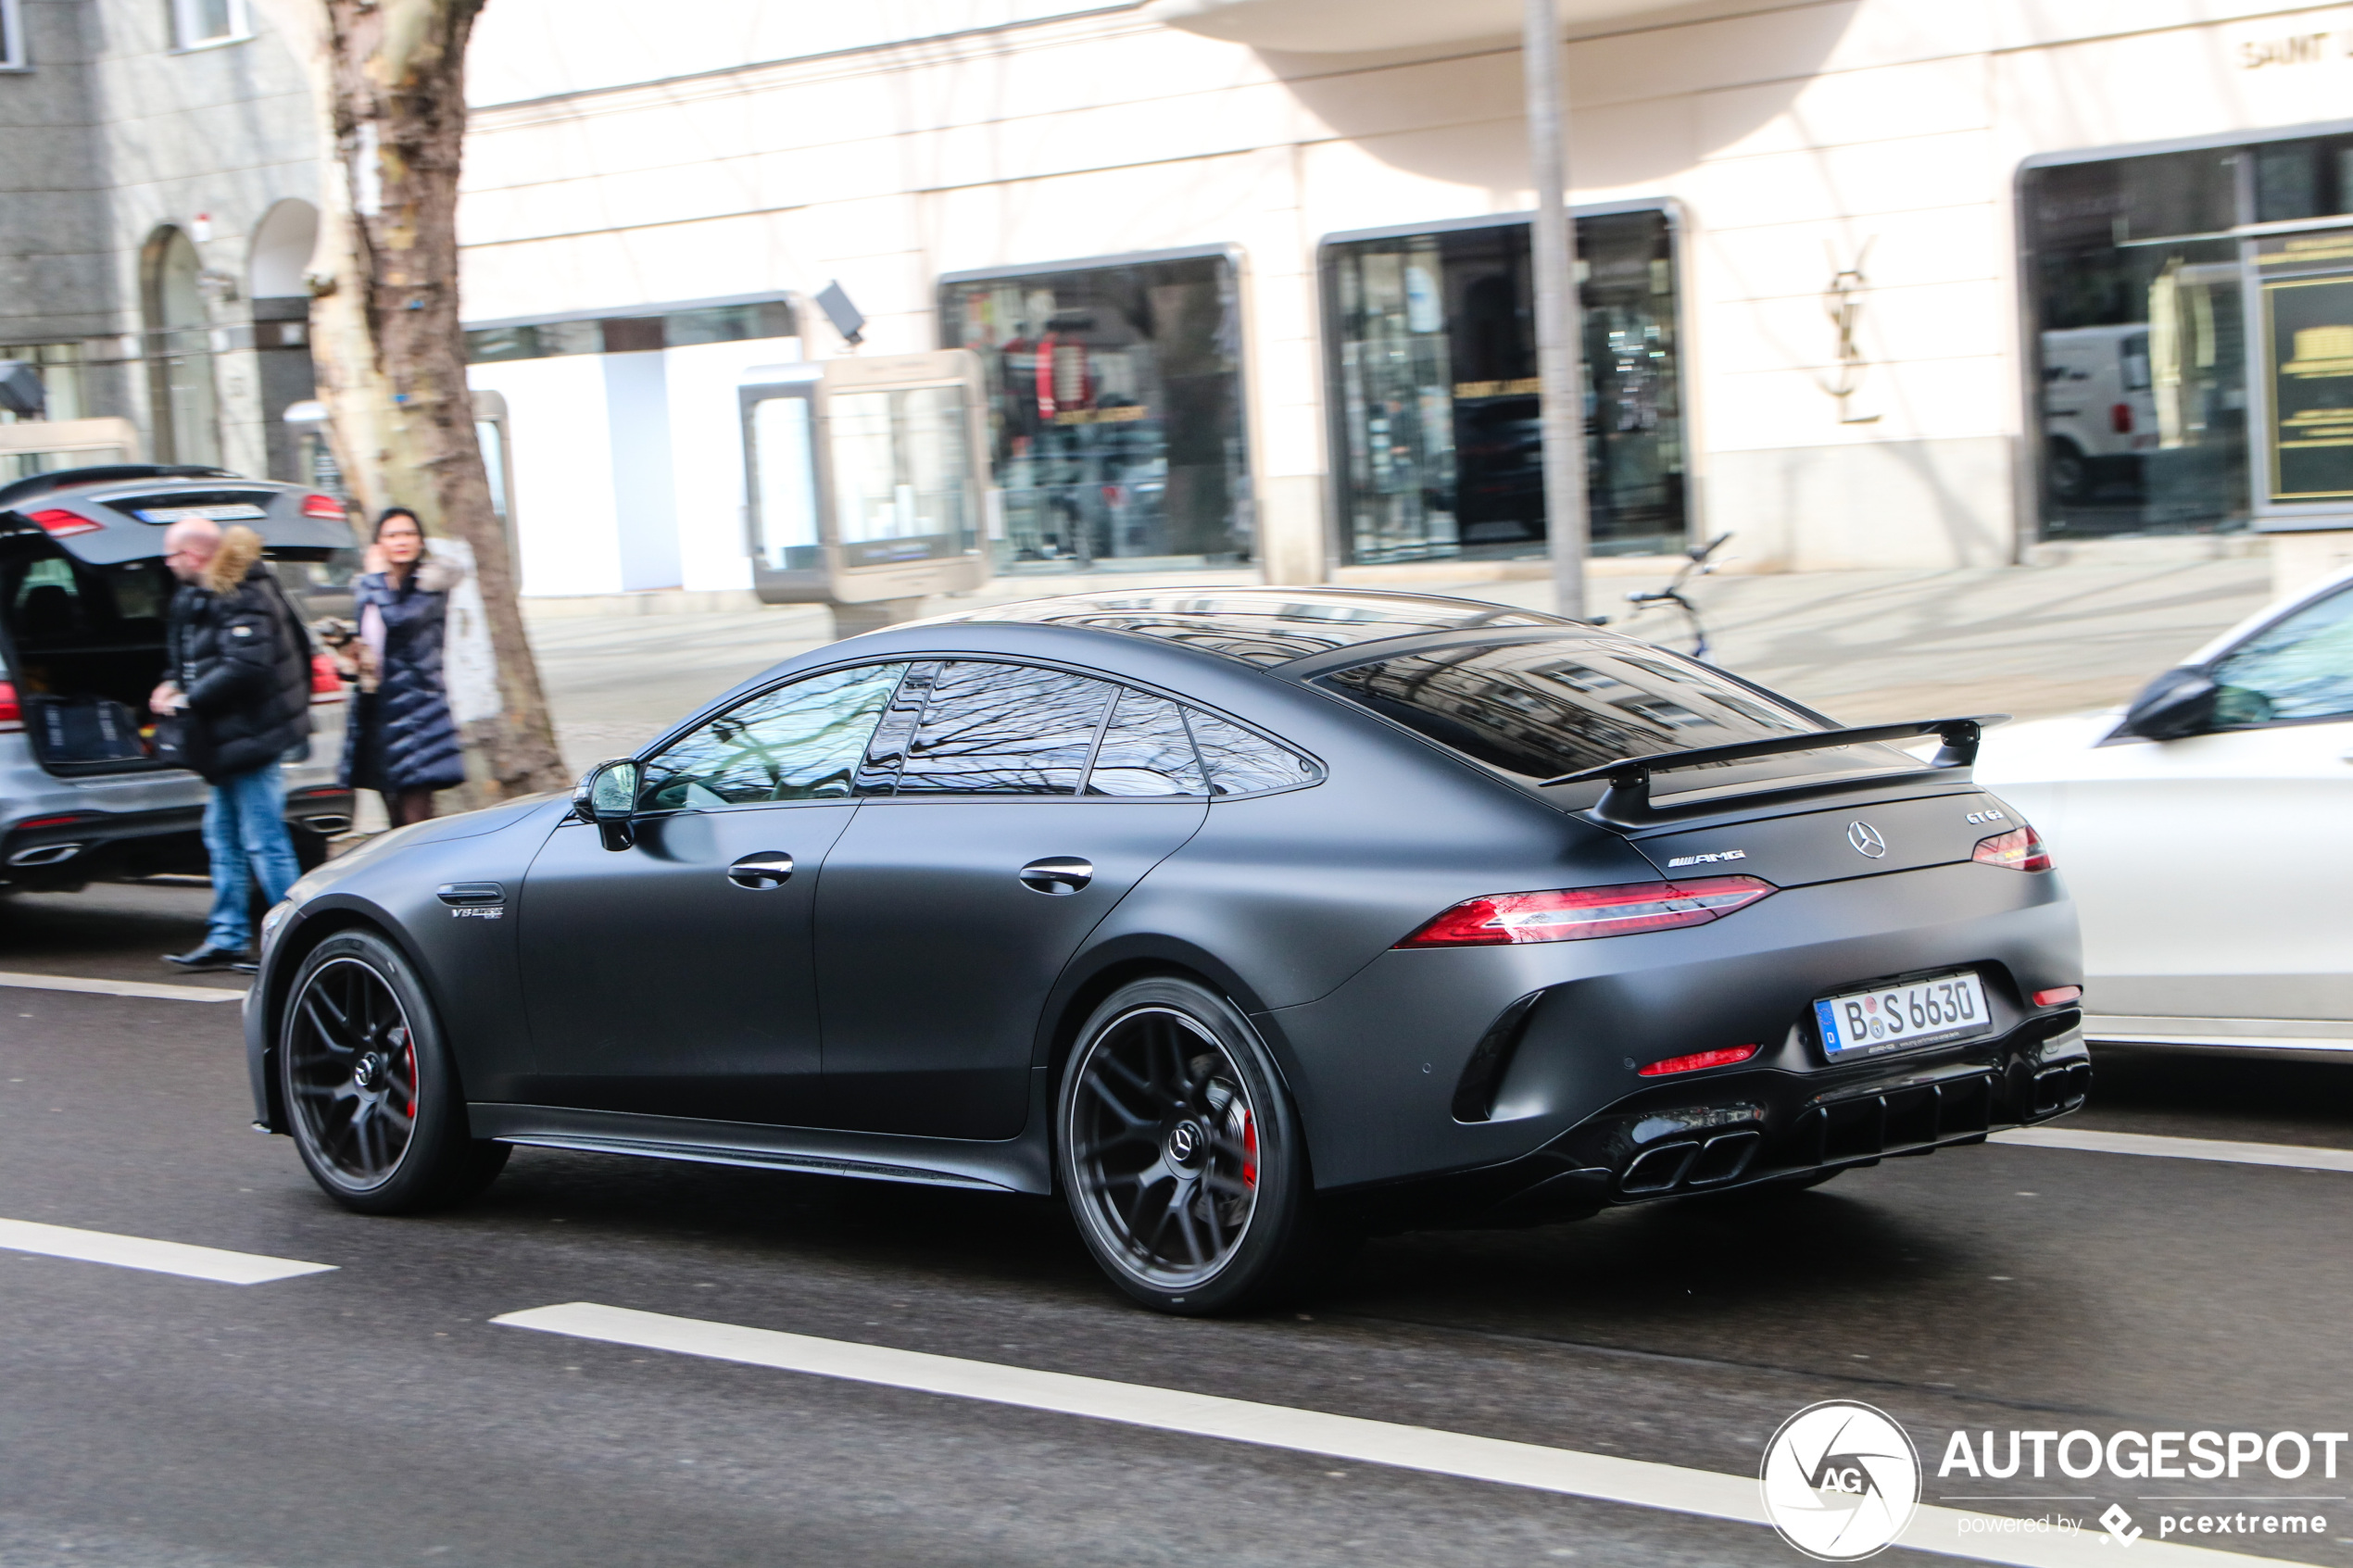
[{"x": 83, "y": 598}]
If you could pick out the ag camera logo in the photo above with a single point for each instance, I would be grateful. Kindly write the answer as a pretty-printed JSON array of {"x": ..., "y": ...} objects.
[{"x": 1841, "y": 1481}]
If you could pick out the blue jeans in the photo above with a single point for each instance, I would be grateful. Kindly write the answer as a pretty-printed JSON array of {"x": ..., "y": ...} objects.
[{"x": 245, "y": 832}]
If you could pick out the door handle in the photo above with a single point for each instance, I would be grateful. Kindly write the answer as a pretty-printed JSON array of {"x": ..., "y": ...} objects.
[
  {"x": 1057, "y": 874},
  {"x": 770, "y": 868}
]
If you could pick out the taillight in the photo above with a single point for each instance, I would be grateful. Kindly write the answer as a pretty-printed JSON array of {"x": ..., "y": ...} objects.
[
  {"x": 323, "y": 506},
  {"x": 2020, "y": 849},
  {"x": 326, "y": 681},
  {"x": 2059, "y": 997},
  {"x": 2120, "y": 418},
  {"x": 1574, "y": 913},
  {"x": 56, "y": 522},
  {"x": 1697, "y": 1060},
  {"x": 11, "y": 715}
]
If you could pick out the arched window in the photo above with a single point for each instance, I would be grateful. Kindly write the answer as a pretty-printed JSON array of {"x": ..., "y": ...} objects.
[{"x": 180, "y": 390}]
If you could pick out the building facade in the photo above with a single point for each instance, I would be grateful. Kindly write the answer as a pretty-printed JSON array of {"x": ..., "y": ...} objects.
[
  {"x": 1869, "y": 284},
  {"x": 158, "y": 168}
]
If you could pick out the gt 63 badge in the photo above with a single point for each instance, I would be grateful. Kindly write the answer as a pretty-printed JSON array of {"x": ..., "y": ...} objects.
[{"x": 1841, "y": 1481}]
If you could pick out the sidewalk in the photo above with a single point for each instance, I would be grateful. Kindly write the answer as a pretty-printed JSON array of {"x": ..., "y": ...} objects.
[{"x": 1861, "y": 646}]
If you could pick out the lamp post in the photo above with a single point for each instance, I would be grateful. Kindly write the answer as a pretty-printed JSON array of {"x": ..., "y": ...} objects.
[{"x": 1559, "y": 356}]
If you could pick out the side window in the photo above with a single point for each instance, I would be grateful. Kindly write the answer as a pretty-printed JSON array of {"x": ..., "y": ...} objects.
[
  {"x": 2300, "y": 668},
  {"x": 797, "y": 742},
  {"x": 1146, "y": 752},
  {"x": 1004, "y": 729},
  {"x": 1242, "y": 763}
]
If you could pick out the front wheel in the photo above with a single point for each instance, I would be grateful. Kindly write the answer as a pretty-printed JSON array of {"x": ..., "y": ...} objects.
[
  {"x": 372, "y": 1094},
  {"x": 1181, "y": 1156}
]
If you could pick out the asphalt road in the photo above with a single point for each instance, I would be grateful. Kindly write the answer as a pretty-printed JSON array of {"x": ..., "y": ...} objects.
[{"x": 376, "y": 1415}]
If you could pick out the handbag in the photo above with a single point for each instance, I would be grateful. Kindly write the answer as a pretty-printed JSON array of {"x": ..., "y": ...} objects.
[{"x": 173, "y": 742}]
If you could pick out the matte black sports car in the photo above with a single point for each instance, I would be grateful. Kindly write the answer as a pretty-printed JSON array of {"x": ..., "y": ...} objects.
[{"x": 1248, "y": 920}]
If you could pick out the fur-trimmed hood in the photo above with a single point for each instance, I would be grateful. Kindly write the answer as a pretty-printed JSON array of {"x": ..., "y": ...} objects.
[{"x": 240, "y": 548}]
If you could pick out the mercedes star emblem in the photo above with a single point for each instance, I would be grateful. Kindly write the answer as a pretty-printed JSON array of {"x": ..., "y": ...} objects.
[{"x": 1866, "y": 839}]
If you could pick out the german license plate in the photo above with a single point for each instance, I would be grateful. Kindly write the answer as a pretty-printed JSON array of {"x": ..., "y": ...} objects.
[{"x": 1919, "y": 1012}]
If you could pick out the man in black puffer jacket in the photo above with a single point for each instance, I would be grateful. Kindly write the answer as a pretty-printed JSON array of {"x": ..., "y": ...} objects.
[{"x": 239, "y": 674}]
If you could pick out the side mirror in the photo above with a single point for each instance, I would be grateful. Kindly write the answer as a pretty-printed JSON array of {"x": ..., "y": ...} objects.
[
  {"x": 607, "y": 797},
  {"x": 2178, "y": 703}
]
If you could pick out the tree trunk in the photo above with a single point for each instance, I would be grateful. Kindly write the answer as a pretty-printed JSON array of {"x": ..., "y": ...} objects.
[{"x": 392, "y": 357}]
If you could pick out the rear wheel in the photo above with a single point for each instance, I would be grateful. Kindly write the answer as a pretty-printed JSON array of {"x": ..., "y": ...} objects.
[
  {"x": 371, "y": 1095},
  {"x": 1181, "y": 1156}
]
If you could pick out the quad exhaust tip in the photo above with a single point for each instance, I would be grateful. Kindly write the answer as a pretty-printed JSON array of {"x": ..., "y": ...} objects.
[{"x": 44, "y": 855}]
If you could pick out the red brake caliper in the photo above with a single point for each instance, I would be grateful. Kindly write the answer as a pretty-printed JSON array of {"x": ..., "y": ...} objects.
[{"x": 1250, "y": 1151}]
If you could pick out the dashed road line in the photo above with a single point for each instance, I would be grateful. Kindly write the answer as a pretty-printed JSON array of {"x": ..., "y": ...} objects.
[
  {"x": 154, "y": 989},
  {"x": 156, "y": 1257},
  {"x": 2294, "y": 1157},
  {"x": 1640, "y": 1483}
]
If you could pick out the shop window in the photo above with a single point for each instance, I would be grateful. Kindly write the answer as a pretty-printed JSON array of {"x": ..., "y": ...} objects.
[
  {"x": 195, "y": 23},
  {"x": 181, "y": 400},
  {"x": 1438, "y": 447},
  {"x": 1115, "y": 410},
  {"x": 2136, "y": 298}
]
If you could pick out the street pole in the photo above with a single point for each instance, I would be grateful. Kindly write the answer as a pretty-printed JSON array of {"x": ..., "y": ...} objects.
[{"x": 1559, "y": 326}]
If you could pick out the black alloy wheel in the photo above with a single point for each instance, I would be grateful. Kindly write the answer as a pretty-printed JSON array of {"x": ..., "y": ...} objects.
[
  {"x": 1180, "y": 1155},
  {"x": 370, "y": 1095}
]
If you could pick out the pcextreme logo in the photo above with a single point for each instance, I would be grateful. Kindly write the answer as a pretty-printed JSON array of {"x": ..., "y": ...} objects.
[{"x": 1841, "y": 1481}]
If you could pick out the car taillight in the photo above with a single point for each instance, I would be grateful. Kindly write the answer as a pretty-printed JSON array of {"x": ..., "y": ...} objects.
[
  {"x": 11, "y": 715},
  {"x": 2120, "y": 418},
  {"x": 326, "y": 681},
  {"x": 2059, "y": 997},
  {"x": 1697, "y": 1060},
  {"x": 323, "y": 505},
  {"x": 2020, "y": 849},
  {"x": 58, "y": 524},
  {"x": 1575, "y": 913}
]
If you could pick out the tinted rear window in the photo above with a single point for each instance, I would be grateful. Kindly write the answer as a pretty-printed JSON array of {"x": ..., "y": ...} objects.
[
  {"x": 1268, "y": 628},
  {"x": 1541, "y": 709}
]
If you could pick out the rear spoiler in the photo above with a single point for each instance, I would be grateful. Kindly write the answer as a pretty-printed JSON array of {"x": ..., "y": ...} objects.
[{"x": 1628, "y": 797}]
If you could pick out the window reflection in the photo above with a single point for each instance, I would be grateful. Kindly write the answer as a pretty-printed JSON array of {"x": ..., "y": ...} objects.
[
  {"x": 1145, "y": 751},
  {"x": 1004, "y": 729},
  {"x": 1434, "y": 378},
  {"x": 1243, "y": 763},
  {"x": 1115, "y": 410},
  {"x": 798, "y": 742},
  {"x": 2143, "y": 383},
  {"x": 1256, "y": 633},
  {"x": 1528, "y": 709}
]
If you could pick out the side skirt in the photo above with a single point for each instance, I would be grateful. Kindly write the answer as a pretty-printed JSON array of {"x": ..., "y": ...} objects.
[{"x": 1016, "y": 1166}]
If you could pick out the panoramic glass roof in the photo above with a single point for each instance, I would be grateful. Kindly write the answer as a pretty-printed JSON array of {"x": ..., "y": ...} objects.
[{"x": 1267, "y": 626}]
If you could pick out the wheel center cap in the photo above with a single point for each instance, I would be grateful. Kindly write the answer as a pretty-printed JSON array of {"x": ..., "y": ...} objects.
[
  {"x": 364, "y": 1074},
  {"x": 1185, "y": 1143}
]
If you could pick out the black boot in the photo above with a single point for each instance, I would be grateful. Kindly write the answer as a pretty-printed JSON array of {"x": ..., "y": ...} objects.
[{"x": 207, "y": 957}]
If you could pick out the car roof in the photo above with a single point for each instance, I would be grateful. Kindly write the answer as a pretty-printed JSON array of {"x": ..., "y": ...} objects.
[
  {"x": 1267, "y": 626},
  {"x": 132, "y": 504}
]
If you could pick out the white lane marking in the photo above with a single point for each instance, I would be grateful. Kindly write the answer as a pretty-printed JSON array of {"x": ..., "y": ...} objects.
[
  {"x": 2291, "y": 1156},
  {"x": 160, "y": 1257},
  {"x": 153, "y": 989},
  {"x": 1642, "y": 1483}
]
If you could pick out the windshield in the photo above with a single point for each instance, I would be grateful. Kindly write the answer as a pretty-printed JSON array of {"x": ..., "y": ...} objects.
[
  {"x": 1538, "y": 710},
  {"x": 2301, "y": 668}
]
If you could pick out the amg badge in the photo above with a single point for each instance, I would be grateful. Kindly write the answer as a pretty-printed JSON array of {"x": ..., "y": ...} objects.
[{"x": 1707, "y": 859}]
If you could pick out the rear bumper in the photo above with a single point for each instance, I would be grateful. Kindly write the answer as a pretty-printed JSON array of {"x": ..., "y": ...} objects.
[
  {"x": 68, "y": 848},
  {"x": 1750, "y": 1129}
]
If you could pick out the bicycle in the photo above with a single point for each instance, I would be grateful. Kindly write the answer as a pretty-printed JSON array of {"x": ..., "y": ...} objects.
[{"x": 1699, "y": 562}]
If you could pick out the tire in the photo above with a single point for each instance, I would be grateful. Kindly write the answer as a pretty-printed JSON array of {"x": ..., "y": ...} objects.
[
  {"x": 372, "y": 1093},
  {"x": 1182, "y": 1157},
  {"x": 2070, "y": 472}
]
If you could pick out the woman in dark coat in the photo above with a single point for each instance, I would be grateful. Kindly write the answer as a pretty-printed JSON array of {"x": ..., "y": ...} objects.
[{"x": 401, "y": 741}]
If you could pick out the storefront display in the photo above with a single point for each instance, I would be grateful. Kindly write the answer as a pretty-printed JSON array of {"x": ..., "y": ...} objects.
[
  {"x": 1115, "y": 410},
  {"x": 1437, "y": 448}
]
